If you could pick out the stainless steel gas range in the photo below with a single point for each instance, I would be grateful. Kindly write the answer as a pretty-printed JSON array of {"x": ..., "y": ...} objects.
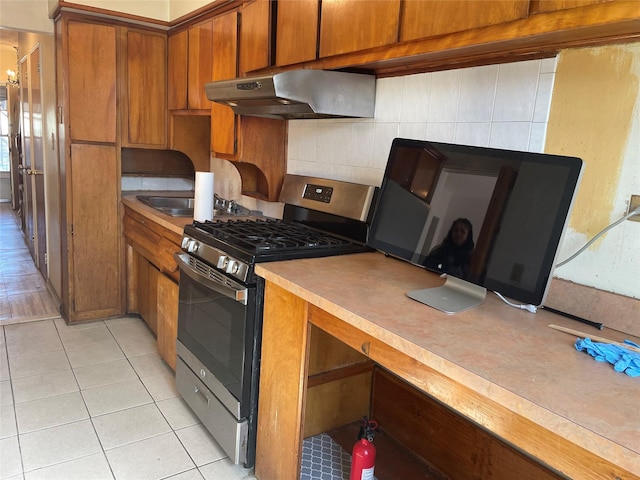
[{"x": 221, "y": 298}]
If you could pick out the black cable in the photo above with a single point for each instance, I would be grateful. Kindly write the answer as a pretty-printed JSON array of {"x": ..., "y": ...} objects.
[{"x": 597, "y": 325}]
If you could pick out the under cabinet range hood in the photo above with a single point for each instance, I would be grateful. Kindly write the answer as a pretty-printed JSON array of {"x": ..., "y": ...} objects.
[{"x": 298, "y": 94}]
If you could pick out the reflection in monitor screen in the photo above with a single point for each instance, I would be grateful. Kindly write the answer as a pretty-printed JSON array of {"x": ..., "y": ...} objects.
[{"x": 493, "y": 218}]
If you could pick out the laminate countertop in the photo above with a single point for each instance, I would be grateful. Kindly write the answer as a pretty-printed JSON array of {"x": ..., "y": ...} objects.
[
  {"x": 527, "y": 383},
  {"x": 175, "y": 224}
]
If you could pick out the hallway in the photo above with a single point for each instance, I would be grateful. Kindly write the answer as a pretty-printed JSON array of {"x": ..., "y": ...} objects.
[{"x": 23, "y": 292}]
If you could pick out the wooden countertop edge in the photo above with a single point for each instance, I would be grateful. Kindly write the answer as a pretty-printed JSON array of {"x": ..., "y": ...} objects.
[
  {"x": 175, "y": 224},
  {"x": 562, "y": 427}
]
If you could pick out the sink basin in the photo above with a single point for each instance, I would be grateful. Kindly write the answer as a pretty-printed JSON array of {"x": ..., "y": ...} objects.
[
  {"x": 177, "y": 206},
  {"x": 183, "y": 206},
  {"x": 174, "y": 206},
  {"x": 166, "y": 202}
]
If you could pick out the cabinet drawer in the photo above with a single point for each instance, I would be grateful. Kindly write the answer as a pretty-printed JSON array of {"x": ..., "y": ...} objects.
[
  {"x": 211, "y": 412},
  {"x": 144, "y": 236}
]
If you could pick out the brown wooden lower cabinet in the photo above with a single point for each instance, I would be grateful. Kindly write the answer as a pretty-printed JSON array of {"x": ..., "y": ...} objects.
[
  {"x": 167, "y": 316},
  {"x": 154, "y": 296},
  {"x": 147, "y": 291},
  {"x": 152, "y": 280}
]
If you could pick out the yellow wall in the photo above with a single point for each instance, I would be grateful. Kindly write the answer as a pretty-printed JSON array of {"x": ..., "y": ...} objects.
[
  {"x": 8, "y": 60},
  {"x": 595, "y": 115}
]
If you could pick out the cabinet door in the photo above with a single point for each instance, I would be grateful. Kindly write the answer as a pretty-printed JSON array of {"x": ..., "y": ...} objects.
[
  {"x": 147, "y": 291},
  {"x": 92, "y": 81},
  {"x": 353, "y": 26},
  {"x": 199, "y": 64},
  {"x": 144, "y": 112},
  {"x": 177, "y": 59},
  {"x": 225, "y": 65},
  {"x": 167, "y": 318},
  {"x": 94, "y": 229},
  {"x": 540, "y": 6},
  {"x": 255, "y": 35},
  {"x": 429, "y": 18},
  {"x": 296, "y": 32}
]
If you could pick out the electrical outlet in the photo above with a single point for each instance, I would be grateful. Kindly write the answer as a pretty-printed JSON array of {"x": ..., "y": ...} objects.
[{"x": 634, "y": 203}]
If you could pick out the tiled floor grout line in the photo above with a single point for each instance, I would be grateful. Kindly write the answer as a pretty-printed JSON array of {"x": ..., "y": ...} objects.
[
  {"x": 84, "y": 402},
  {"x": 92, "y": 417},
  {"x": 171, "y": 412}
]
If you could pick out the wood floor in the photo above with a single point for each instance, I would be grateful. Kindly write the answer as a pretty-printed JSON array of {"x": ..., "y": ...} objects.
[{"x": 23, "y": 292}]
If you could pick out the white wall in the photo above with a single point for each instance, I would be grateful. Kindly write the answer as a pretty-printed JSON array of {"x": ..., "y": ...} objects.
[
  {"x": 165, "y": 10},
  {"x": 156, "y": 9},
  {"x": 5, "y": 187},
  {"x": 179, "y": 8},
  {"x": 26, "y": 15},
  {"x": 505, "y": 106}
]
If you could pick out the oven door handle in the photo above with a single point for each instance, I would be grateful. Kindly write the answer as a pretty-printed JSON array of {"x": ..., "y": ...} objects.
[{"x": 235, "y": 292}]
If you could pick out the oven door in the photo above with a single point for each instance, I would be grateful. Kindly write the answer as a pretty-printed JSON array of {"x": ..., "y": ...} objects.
[{"x": 217, "y": 326}]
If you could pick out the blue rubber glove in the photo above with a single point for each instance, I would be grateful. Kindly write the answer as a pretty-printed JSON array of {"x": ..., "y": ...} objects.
[{"x": 622, "y": 359}]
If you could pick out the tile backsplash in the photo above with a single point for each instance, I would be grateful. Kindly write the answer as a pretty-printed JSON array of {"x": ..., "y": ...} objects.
[
  {"x": 135, "y": 183},
  {"x": 502, "y": 106}
]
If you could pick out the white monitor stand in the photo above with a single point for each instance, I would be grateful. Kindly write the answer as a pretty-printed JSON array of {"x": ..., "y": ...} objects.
[{"x": 456, "y": 295}]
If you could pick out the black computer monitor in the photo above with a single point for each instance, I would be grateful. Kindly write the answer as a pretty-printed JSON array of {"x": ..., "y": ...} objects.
[{"x": 512, "y": 205}]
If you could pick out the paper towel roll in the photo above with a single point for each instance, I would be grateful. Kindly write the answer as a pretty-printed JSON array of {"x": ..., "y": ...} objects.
[{"x": 203, "y": 198}]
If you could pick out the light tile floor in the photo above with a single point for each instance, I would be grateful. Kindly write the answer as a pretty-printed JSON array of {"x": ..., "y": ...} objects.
[{"x": 95, "y": 401}]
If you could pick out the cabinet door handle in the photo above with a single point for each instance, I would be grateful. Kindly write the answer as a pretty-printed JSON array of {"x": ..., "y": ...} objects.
[{"x": 199, "y": 392}]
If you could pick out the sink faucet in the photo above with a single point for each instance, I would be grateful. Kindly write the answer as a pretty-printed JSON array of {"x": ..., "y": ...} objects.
[
  {"x": 232, "y": 207},
  {"x": 219, "y": 202}
]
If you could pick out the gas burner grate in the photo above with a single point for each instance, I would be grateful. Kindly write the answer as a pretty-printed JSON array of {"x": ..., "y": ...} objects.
[{"x": 271, "y": 235}]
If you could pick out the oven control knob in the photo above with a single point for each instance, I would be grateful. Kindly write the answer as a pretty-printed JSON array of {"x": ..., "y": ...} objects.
[
  {"x": 223, "y": 260},
  {"x": 185, "y": 242},
  {"x": 192, "y": 246},
  {"x": 233, "y": 266}
]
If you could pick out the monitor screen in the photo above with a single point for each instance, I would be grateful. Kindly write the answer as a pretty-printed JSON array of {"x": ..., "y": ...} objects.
[{"x": 491, "y": 217}]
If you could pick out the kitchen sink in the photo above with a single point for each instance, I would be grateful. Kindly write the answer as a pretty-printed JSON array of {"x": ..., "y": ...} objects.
[
  {"x": 167, "y": 202},
  {"x": 174, "y": 206},
  {"x": 183, "y": 206}
]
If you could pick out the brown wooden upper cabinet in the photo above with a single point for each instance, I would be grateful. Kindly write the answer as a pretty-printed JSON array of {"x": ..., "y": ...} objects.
[
  {"x": 297, "y": 32},
  {"x": 225, "y": 67},
  {"x": 177, "y": 70},
  {"x": 352, "y": 26},
  {"x": 428, "y": 18},
  {"x": 255, "y": 35},
  {"x": 541, "y": 6},
  {"x": 255, "y": 145},
  {"x": 199, "y": 64},
  {"x": 144, "y": 106},
  {"x": 190, "y": 56},
  {"x": 91, "y": 67}
]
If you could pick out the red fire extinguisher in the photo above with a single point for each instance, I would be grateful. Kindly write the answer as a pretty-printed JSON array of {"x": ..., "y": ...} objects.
[{"x": 363, "y": 458}]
